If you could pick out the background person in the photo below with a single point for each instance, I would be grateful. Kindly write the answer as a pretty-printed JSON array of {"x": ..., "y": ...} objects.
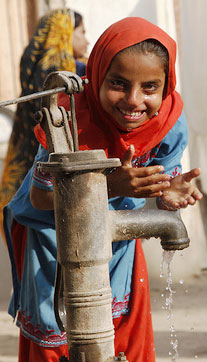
[{"x": 58, "y": 43}]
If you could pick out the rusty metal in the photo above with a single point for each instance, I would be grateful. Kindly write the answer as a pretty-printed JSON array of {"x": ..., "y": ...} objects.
[
  {"x": 143, "y": 224},
  {"x": 74, "y": 123},
  {"x": 67, "y": 163},
  {"x": 84, "y": 251},
  {"x": 54, "y": 119},
  {"x": 36, "y": 95},
  {"x": 29, "y": 97},
  {"x": 73, "y": 84},
  {"x": 56, "y": 126}
]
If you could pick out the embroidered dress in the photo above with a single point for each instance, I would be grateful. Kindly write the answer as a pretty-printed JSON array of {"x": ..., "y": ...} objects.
[{"x": 31, "y": 233}]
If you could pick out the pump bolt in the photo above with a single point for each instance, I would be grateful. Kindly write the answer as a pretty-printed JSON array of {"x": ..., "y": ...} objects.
[{"x": 122, "y": 357}]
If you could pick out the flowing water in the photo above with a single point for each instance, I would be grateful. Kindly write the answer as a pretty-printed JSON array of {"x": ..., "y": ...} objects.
[{"x": 166, "y": 260}]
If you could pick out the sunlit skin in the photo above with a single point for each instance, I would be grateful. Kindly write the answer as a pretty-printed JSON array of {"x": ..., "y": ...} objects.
[
  {"x": 131, "y": 93},
  {"x": 80, "y": 42}
]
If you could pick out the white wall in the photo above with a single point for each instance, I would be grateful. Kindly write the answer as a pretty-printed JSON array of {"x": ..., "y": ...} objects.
[{"x": 98, "y": 15}]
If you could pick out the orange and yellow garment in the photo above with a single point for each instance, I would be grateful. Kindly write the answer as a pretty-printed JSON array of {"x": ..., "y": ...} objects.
[{"x": 50, "y": 49}]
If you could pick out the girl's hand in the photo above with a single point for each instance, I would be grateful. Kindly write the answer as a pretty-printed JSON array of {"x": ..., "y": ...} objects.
[
  {"x": 137, "y": 182},
  {"x": 181, "y": 192}
]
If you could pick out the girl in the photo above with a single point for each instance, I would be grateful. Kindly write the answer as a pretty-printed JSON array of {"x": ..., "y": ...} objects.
[{"x": 131, "y": 110}]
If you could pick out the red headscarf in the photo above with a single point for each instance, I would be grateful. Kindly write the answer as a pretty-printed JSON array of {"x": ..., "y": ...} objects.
[{"x": 96, "y": 129}]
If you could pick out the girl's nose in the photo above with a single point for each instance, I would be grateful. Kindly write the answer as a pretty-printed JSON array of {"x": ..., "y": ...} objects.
[{"x": 135, "y": 97}]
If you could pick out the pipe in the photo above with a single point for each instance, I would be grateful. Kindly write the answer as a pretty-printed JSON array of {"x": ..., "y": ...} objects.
[
  {"x": 84, "y": 251},
  {"x": 144, "y": 224}
]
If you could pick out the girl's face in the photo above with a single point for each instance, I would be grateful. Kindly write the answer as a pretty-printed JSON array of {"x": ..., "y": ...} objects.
[
  {"x": 133, "y": 87},
  {"x": 80, "y": 43}
]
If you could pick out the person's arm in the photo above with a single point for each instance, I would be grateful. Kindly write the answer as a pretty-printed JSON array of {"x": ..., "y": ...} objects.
[
  {"x": 163, "y": 178},
  {"x": 41, "y": 199}
]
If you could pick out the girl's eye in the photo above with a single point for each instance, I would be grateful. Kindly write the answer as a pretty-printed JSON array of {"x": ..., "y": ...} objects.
[
  {"x": 118, "y": 84},
  {"x": 151, "y": 87}
]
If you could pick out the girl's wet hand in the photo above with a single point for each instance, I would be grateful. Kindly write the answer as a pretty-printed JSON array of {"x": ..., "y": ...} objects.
[
  {"x": 181, "y": 192},
  {"x": 137, "y": 182}
]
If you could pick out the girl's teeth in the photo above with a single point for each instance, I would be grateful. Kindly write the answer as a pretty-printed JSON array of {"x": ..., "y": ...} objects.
[{"x": 132, "y": 114}]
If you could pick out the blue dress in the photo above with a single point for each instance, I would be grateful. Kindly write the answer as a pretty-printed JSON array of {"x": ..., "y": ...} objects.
[{"x": 34, "y": 286}]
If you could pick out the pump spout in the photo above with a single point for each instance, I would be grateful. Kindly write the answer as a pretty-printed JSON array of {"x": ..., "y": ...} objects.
[{"x": 144, "y": 224}]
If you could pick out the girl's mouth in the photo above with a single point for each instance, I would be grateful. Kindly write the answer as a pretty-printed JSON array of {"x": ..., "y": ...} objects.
[{"x": 131, "y": 115}]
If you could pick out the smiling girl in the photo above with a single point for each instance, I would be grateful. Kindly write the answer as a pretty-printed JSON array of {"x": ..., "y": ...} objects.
[
  {"x": 131, "y": 110},
  {"x": 133, "y": 88}
]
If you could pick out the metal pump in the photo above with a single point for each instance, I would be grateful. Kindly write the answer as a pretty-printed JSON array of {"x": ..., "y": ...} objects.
[{"x": 86, "y": 228}]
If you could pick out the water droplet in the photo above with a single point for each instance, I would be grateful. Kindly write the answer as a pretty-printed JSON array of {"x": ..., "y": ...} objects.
[
  {"x": 141, "y": 280},
  {"x": 172, "y": 328},
  {"x": 196, "y": 356},
  {"x": 181, "y": 281}
]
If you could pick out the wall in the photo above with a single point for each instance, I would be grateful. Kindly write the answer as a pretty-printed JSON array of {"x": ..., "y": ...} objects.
[{"x": 13, "y": 38}]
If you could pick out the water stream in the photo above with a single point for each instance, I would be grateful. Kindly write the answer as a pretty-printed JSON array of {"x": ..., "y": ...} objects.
[{"x": 166, "y": 260}]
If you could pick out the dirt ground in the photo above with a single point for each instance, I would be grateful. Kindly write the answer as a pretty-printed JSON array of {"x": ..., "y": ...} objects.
[{"x": 189, "y": 318}]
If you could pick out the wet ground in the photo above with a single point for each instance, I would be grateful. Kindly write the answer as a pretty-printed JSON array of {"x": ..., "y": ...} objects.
[{"x": 189, "y": 318}]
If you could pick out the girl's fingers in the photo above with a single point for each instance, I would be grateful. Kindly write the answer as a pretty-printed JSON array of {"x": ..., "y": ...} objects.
[
  {"x": 158, "y": 181},
  {"x": 191, "y": 200},
  {"x": 151, "y": 189},
  {"x": 128, "y": 157},
  {"x": 150, "y": 171},
  {"x": 153, "y": 194},
  {"x": 188, "y": 176},
  {"x": 197, "y": 195}
]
